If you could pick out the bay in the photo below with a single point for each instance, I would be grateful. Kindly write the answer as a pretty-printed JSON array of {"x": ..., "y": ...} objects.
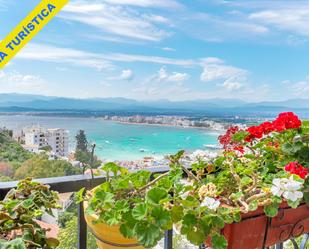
[{"x": 117, "y": 141}]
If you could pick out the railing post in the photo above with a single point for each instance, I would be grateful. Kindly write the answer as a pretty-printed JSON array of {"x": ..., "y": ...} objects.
[
  {"x": 304, "y": 241},
  {"x": 82, "y": 228},
  {"x": 168, "y": 239},
  {"x": 279, "y": 246}
]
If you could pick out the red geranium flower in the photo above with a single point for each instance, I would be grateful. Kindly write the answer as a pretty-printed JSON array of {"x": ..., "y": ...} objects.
[
  {"x": 256, "y": 131},
  {"x": 286, "y": 120},
  {"x": 297, "y": 169},
  {"x": 267, "y": 127},
  {"x": 227, "y": 141}
]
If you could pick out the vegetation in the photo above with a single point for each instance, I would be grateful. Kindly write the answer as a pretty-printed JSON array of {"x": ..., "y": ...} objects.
[
  {"x": 68, "y": 236},
  {"x": 262, "y": 166},
  {"x": 16, "y": 163},
  {"x": 18, "y": 214},
  {"x": 40, "y": 167},
  {"x": 84, "y": 152},
  {"x": 11, "y": 151},
  {"x": 81, "y": 141}
]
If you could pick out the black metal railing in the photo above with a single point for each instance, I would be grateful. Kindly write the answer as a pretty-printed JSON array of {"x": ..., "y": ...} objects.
[{"x": 75, "y": 183}]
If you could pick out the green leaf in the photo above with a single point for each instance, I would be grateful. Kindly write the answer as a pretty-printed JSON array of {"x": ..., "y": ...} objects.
[
  {"x": 112, "y": 167},
  {"x": 294, "y": 204},
  {"x": 253, "y": 205},
  {"x": 213, "y": 221},
  {"x": 306, "y": 197},
  {"x": 52, "y": 242},
  {"x": 13, "y": 244},
  {"x": 190, "y": 201},
  {"x": 80, "y": 195},
  {"x": 104, "y": 197},
  {"x": 305, "y": 127},
  {"x": 188, "y": 222},
  {"x": 147, "y": 234},
  {"x": 177, "y": 213},
  {"x": 271, "y": 210},
  {"x": 139, "y": 212},
  {"x": 245, "y": 181},
  {"x": 122, "y": 206},
  {"x": 126, "y": 230},
  {"x": 218, "y": 242},
  {"x": 155, "y": 195},
  {"x": 162, "y": 218},
  {"x": 196, "y": 236},
  {"x": 240, "y": 136},
  {"x": 27, "y": 203},
  {"x": 237, "y": 217},
  {"x": 140, "y": 178}
]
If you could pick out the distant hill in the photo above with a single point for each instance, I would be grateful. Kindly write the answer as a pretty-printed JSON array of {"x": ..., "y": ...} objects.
[{"x": 24, "y": 102}]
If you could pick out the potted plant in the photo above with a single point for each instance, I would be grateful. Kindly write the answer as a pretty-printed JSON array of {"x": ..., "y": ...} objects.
[
  {"x": 19, "y": 214},
  {"x": 255, "y": 193},
  {"x": 228, "y": 201},
  {"x": 128, "y": 210}
]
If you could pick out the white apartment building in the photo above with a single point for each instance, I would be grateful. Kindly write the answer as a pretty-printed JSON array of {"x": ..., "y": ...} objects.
[
  {"x": 36, "y": 138},
  {"x": 58, "y": 140}
]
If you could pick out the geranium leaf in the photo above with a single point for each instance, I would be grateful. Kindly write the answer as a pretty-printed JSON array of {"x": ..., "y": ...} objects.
[
  {"x": 139, "y": 212},
  {"x": 147, "y": 234},
  {"x": 271, "y": 210},
  {"x": 155, "y": 195},
  {"x": 218, "y": 242}
]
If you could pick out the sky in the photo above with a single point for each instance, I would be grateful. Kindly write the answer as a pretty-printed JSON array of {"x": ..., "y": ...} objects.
[{"x": 163, "y": 49}]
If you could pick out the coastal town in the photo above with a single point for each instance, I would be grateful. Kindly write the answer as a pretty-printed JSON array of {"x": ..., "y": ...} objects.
[
  {"x": 56, "y": 143},
  {"x": 177, "y": 121}
]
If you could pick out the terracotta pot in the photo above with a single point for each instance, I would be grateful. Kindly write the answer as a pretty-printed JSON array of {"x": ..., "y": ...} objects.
[
  {"x": 109, "y": 237},
  {"x": 257, "y": 231}
]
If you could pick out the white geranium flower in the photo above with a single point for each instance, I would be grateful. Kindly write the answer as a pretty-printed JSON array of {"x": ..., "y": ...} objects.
[
  {"x": 211, "y": 203},
  {"x": 277, "y": 188},
  {"x": 288, "y": 188}
]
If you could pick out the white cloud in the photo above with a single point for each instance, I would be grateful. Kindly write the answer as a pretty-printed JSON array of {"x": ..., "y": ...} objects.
[
  {"x": 300, "y": 88},
  {"x": 230, "y": 85},
  {"x": 151, "y": 59},
  {"x": 214, "y": 70},
  {"x": 127, "y": 74},
  {"x": 163, "y": 84},
  {"x": 116, "y": 20},
  {"x": 292, "y": 20},
  {"x": 40, "y": 52},
  {"x": 216, "y": 28},
  {"x": 168, "y": 49},
  {"x": 13, "y": 81},
  {"x": 148, "y": 3},
  {"x": 164, "y": 76},
  {"x": 69, "y": 56}
]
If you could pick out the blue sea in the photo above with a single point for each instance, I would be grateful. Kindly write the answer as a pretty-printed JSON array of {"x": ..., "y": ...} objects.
[{"x": 116, "y": 141}]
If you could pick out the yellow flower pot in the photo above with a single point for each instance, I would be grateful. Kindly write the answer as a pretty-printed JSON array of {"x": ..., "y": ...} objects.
[{"x": 109, "y": 237}]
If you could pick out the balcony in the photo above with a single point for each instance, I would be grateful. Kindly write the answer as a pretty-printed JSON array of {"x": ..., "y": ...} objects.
[{"x": 74, "y": 183}]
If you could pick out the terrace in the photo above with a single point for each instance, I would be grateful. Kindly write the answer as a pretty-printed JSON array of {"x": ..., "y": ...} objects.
[{"x": 75, "y": 183}]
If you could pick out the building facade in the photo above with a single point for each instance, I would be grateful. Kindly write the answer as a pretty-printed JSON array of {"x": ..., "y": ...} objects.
[{"x": 36, "y": 138}]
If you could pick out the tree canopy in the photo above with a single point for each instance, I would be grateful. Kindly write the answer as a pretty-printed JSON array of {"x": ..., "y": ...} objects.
[
  {"x": 81, "y": 141},
  {"x": 40, "y": 167}
]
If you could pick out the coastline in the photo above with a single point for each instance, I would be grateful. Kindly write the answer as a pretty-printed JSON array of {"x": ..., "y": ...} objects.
[{"x": 168, "y": 125}]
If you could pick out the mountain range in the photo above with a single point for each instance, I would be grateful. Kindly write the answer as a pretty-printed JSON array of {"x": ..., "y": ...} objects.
[{"x": 24, "y": 102}]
